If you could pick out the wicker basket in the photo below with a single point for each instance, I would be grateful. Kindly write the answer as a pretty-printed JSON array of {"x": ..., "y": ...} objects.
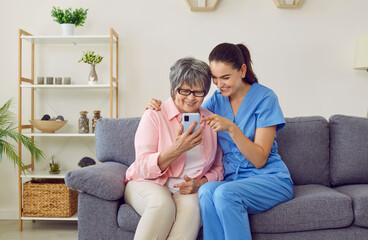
[{"x": 48, "y": 198}]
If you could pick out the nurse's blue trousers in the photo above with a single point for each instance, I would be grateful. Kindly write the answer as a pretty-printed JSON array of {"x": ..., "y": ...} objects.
[{"x": 225, "y": 205}]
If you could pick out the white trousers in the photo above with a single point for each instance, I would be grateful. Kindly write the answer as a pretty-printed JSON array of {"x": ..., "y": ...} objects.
[{"x": 163, "y": 215}]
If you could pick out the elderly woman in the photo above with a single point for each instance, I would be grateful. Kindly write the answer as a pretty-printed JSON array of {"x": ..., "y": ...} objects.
[{"x": 170, "y": 164}]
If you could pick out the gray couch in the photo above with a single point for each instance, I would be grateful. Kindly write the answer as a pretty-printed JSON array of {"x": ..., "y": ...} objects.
[{"x": 328, "y": 161}]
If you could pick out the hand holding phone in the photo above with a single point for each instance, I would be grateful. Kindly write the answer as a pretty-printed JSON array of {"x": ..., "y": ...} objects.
[{"x": 188, "y": 119}]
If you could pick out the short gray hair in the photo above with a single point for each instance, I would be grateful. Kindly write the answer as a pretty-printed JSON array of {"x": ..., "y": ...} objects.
[{"x": 192, "y": 71}]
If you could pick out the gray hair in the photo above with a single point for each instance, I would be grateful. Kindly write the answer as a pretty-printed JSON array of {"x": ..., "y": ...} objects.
[{"x": 192, "y": 71}]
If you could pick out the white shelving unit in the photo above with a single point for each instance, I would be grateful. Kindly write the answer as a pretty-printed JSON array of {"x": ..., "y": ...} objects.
[
  {"x": 59, "y": 134},
  {"x": 29, "y": 85},
  {"x": 72, "y": 218},
  {"x": 75, "y": 39},
  {"x": 43, "y": 174},
  {"x": 66, "y": 86}
]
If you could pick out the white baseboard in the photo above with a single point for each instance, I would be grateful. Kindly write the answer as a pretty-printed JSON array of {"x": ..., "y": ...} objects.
[{"x": 9, "y": 215}]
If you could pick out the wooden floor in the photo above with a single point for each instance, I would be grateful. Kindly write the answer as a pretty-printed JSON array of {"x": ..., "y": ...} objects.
[{"x": 39, "y": 230}]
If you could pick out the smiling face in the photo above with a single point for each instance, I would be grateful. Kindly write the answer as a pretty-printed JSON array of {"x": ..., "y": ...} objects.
[
  {"x": 226, "y": 78},
  {"x": 188, "y": 104}
]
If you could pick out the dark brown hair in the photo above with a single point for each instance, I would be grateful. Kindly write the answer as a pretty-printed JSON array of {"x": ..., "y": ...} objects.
[{"x": 236, "y": 55}]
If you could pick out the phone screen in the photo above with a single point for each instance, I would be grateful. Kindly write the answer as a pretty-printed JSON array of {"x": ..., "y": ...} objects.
[{"x": 188, "y": 119}]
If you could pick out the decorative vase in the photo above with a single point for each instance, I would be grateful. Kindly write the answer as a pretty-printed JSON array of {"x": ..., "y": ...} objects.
[
  {"x": 67, "y": 29},
  {"x": 289, "y": 2},
  {"x": 92, "y": 78}
]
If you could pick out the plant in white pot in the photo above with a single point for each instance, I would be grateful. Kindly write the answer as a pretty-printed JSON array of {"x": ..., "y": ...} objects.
[
  {"x": 91, "y": 58},
  {"x": 69, "y": 19}
]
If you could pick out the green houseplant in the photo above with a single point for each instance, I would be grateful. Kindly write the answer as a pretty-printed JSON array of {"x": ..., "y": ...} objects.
[
  {"x": 54, "y": 166},
  {"x": 69, "y": 19},
  {"x": 92, "y": 59},
  {"x": 8, "y": 132}
]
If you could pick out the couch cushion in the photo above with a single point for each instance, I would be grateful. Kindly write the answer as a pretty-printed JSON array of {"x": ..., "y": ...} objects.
[
  {"x": 313, "y": 207},
  {"x": 359, "y": 194},
  {"x": 128, "y": 218},
  {"x": 304, "y": 147},
  {"x": 105, "y": 180},
  {"x": 349, "y": 233},
  {"x": 348, "y": 150},
  {"x": 115, "y": 139}
]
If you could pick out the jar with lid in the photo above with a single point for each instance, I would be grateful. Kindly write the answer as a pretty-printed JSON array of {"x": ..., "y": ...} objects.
[
  {"x": 83, "y": 123},
  {"x": 96, "y": 116}
]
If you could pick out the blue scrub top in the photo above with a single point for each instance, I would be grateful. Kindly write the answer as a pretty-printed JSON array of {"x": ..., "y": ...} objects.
[{"x": 259, "y": 108}]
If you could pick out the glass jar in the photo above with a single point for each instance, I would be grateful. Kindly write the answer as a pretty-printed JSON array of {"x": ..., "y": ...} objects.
[
  {"x": 83, "y": 123},
  {"x": 96, "y": 116}
]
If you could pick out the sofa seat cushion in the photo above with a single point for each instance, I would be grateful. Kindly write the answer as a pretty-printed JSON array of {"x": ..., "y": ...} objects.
[
  {"x": 128, "y": 218},
  {"x": 313, "y": 207},
  {"x": 359, "y": 195}
]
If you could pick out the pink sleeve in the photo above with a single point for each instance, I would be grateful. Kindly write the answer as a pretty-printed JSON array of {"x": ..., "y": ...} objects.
[
  {"x": 216, "y": 172},
  {"x": 146, "y": 146}
]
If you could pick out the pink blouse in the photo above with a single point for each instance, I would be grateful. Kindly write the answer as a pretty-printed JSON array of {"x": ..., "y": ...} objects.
[{"x": 156, "y": 131}]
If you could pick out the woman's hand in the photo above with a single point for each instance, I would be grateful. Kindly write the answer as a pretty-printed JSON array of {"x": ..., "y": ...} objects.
[
  {"x": 183, "y": 142},
  {"x": 190, "y": 185},
  {"x": 186, "y": 141},
  {"x": 256, "y": 152},
  {"x": 154, "y": 104},
  {"x": 219, "y": 123}
]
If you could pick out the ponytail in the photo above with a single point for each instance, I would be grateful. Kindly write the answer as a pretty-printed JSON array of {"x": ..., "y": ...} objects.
[{"x": 236, "y": 55}]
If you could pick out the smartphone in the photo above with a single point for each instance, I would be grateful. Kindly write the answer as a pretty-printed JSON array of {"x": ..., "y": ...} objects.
[{"x": 187, "y": 120}]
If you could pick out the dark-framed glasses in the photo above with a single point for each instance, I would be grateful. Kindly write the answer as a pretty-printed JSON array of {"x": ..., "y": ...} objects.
[{"x": 187, "y": 92}]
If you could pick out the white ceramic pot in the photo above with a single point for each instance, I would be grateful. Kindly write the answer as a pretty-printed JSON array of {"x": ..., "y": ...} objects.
[
  {"x": 67, "y": 29},
  {"x": 289, "y": 2}
]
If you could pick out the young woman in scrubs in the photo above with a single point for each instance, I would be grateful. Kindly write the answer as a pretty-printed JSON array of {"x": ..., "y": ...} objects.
[{"x": 246, "y": 117}]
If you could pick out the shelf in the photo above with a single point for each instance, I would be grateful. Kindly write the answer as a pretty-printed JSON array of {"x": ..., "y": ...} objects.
[
  {"x": 43, "y": 174},
  {"x": 72, "y": 218},
  {"x": 65, "y": 86},
  {"x": 75, "y": 39},
  {"x": 59, "y": 134}
]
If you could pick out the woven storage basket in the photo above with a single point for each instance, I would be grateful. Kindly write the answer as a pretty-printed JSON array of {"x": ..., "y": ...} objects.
[{"x": 48, "y": 198}]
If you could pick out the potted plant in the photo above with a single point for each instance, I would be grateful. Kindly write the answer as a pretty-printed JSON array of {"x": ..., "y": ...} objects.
[
  {"x": 8, "y": 132},
  {"x": 91, "y": 58},
  {"x": 69, "y": 19},
  {"x": 54, "y": 166}
]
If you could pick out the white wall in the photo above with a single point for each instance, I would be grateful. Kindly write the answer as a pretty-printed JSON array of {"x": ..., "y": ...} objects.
[{"x": 305, "y": 55}]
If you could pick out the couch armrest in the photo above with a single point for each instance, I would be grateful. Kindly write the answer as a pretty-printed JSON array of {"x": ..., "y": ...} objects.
[{"x": 105, "y": 180}]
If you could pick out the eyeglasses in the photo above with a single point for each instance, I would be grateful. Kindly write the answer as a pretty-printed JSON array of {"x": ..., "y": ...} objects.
[{"x": 187, "y": 92}]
